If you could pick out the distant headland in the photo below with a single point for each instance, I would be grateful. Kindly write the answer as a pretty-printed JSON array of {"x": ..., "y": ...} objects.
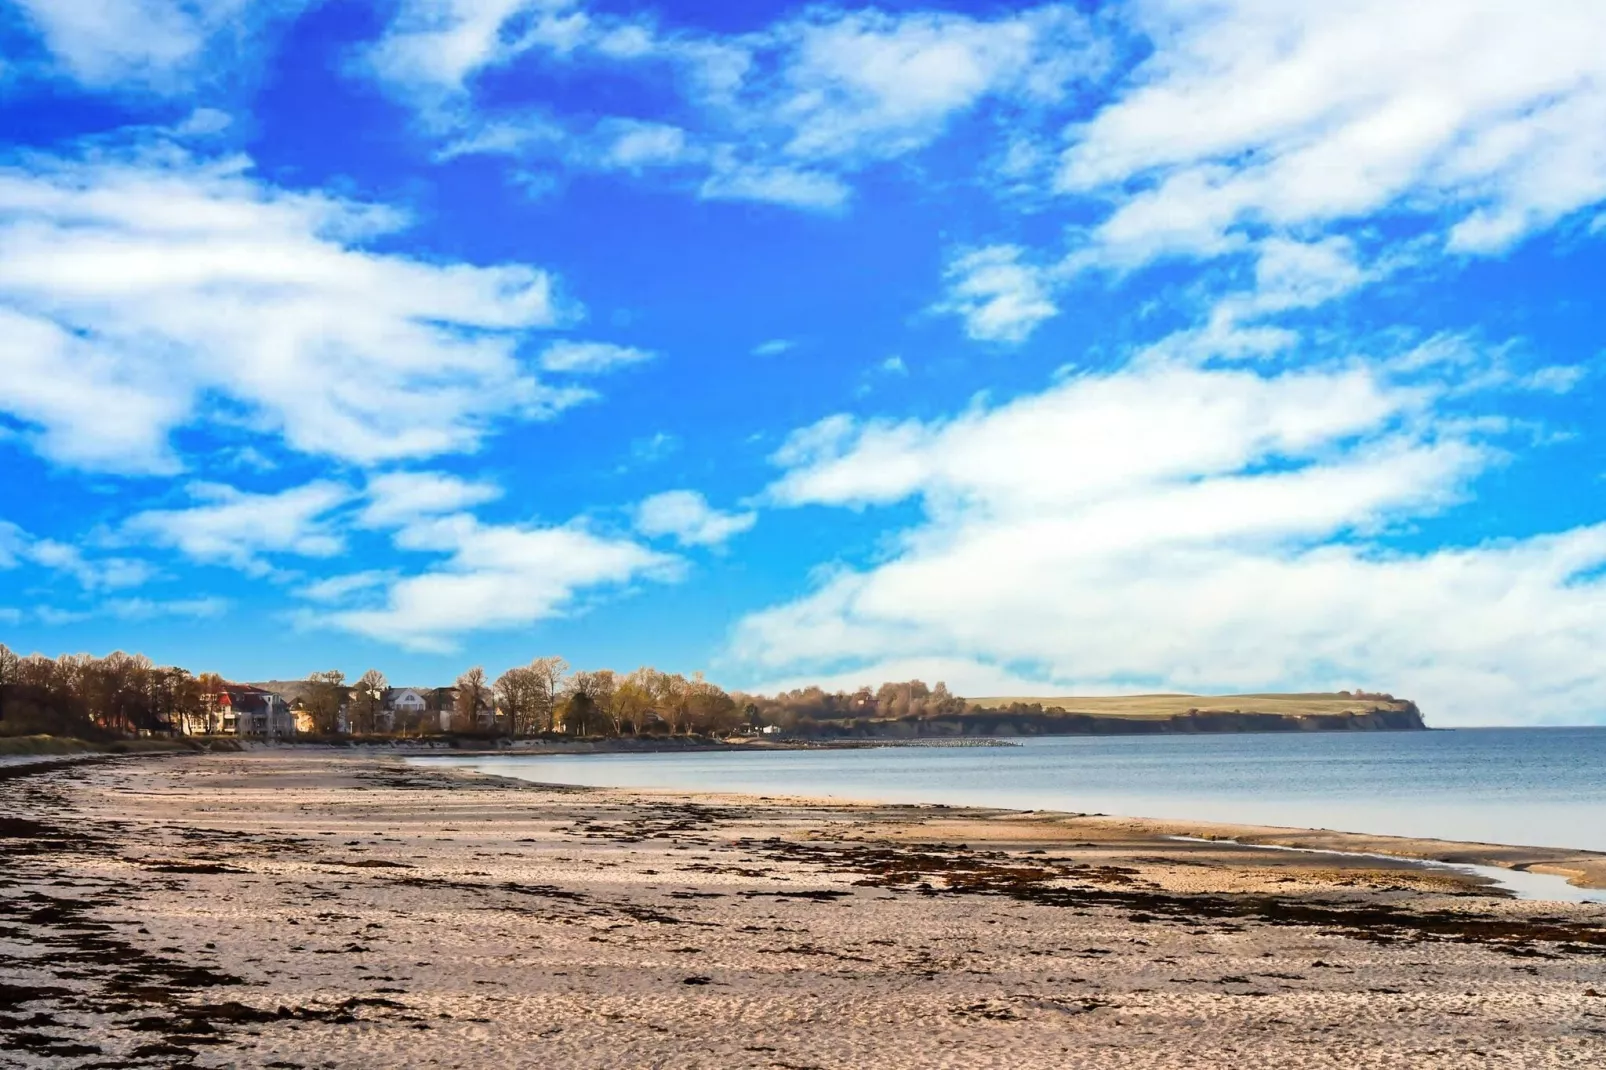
[{"x": 1003, "y": 717}]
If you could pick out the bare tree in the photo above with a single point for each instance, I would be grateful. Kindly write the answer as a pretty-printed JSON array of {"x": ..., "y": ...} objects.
[
  {"x": 589, "y": 694},
  {"x": 632, "y": 700},
  {"x": 603, "y": 692},
  {"x": 10, "y": 669},
  {"x": 174, "y": 699},
  {"x": 326, "y": 691},
  {"x": 209, "y": 685},
  {"x": 368, "y": 698},
  {"x": 519, "y": 696},
  {"x": 710, "y": 709},
  {"x": 672, "y": 698},
  {"x": 472, "y": 693},
  {"x": 546, "y": 675}
]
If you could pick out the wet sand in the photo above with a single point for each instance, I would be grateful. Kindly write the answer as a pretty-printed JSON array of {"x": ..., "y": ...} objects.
[{"x": 303, "y": 909}]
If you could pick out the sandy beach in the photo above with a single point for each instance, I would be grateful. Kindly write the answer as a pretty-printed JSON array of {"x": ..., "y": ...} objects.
[{"x": 295, "y": 908}]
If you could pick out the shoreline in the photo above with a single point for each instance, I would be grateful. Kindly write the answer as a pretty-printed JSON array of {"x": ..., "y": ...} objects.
[
  {"x": 281, "y": 908},
  {"x": 1579, "y": 868}
]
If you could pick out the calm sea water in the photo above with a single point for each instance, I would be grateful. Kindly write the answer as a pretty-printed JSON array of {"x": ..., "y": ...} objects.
[{"x": 1543, "y": 787}]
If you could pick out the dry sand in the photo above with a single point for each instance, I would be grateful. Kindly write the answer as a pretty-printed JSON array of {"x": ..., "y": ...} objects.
[{"x": 295, "y": 909}]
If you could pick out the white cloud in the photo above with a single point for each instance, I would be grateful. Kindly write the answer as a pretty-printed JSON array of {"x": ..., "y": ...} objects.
[
  {"x": 1169, "y": 527},
  {"x": 869, "y": 84},
  {"x": 341, "y": 588},
  {"x": 774, "y": 347},
  {"x": 237, "y": 528},
  {"x": 99, "y": 574},
  {"x": 1288, "y": 276},
  {"x": 155, "y": 45},
  {"x": 1556, "y": 378},
  {"x": 127, "y": 609},
  {"x": 396, "y": 498},
  {"x": 92, "y": 407},
  {"x": 687, "y": 516},
  {"x": 655, "y": 447},
  {"x": 134, "y": 284},
  {"x": 145, "y": 609},
  {"x": 203, "y": 123},
  {"x": 434, "y": 47},
  {"x": 108, "y": 573},
  {"x": 787, "y": 186},
  {"x": 494, "y": 577},
  {"x": 1486, "y": 115},
  {"x": 965, "y": 678},
  {"x": 1466, "y": 365},
  {"x": 609, "y": 145},
  {"x": 1085, "y": 439},
  {"x": 13, "y": 544},
  {"x": 636, "y": 145},
  {"x": 590, "y": 358},
  {"x": 54, "y": 617},
  {"x": 1000, "y": 298},
  {"x": 781, "y": 114}
]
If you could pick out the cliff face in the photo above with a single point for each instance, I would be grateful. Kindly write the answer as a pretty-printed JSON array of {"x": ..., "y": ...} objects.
[{"x": 1397, "y": 717}]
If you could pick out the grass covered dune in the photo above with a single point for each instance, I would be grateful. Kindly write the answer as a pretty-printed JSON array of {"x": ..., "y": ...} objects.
[{"x": 297, "y": 908}]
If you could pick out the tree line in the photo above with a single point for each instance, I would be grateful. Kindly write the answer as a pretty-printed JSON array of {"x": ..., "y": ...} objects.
[
  {"x": 119, "y": 694},
  {"x": 799, "y": 709},
  {"x": 126, "y": 694}
]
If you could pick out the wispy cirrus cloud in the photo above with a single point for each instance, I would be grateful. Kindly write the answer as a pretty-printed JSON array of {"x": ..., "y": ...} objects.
[
  {"x": 785, "y": 114},
  {"x": 100, "y": 573},
  {"x": 204, "y": 608},
  {"x": 156, "y": 46},
  {"x": 591, "y": 358},
  {"x": 774, "y": 347}
]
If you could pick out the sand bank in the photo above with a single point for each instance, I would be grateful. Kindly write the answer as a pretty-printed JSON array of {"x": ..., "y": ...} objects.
[{"x": 293, "y": 909}]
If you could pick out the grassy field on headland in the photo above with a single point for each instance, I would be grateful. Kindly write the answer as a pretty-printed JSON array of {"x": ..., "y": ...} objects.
[
  {"x": 1309, "y": 704},
  {"x": 1149, "y": 715}
]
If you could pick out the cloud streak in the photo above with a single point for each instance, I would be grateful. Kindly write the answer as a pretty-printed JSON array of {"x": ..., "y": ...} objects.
[
  {"x": 786, "y": 114},
  {"x": 491, "y": 578}
]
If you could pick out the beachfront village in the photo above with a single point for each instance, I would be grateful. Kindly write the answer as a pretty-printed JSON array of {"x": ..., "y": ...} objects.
[
  {"x": 253, "y": 711},
  {"x": 127, "y": 695}
]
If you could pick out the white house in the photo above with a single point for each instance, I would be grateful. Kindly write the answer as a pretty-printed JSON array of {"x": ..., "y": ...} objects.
[{"x": 406, "y": 703}]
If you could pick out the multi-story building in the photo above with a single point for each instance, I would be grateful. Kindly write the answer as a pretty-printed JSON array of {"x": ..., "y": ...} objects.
[{"x": 251, "y": 711}]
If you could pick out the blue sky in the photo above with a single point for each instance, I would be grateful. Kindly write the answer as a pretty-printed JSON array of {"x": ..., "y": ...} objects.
[{"x": 1042, "y": 348}]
